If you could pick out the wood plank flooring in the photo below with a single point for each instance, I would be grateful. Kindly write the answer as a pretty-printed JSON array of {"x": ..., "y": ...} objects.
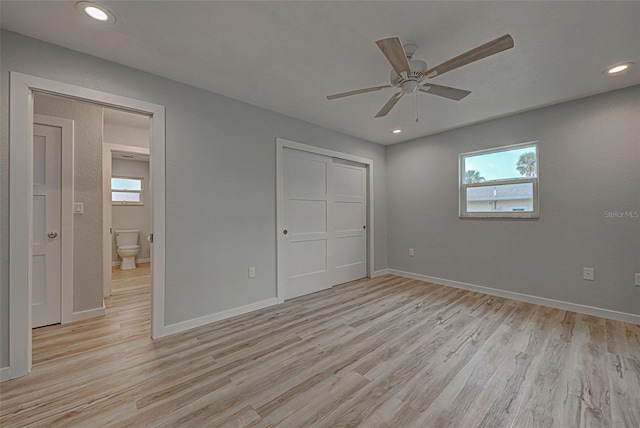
[{"x": 383, "y": 352}]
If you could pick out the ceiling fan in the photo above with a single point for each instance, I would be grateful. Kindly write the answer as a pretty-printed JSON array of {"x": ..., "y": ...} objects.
[{"x": 407, "y": 74}]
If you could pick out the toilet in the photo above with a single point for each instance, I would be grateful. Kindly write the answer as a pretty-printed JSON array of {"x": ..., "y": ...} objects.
[{"x": 127, "y": 243}]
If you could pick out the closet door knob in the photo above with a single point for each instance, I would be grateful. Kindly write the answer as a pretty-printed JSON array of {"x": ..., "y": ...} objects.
[
  {"x": 285, "y": 231},
  {"x": 52, "y": 234}
]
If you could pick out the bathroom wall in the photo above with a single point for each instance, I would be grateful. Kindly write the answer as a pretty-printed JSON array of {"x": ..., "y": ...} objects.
[
  {"x": 87, "y": 227},
  {"x": 116, "y": 133},
  {"x": 133, "y": 216}
]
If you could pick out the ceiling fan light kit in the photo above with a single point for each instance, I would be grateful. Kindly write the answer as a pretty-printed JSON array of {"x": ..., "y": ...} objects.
[{"x": 408, "y": 74}]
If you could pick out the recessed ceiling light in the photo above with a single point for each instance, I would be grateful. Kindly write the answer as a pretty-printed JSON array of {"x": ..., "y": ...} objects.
[
  {"x": 618, "y": 68},
  {"x": 396, "y": 131},
  {"x": 97, "y": 12}
]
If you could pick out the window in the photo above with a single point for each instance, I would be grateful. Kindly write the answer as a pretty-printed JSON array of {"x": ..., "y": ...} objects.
[
  {"x": 500, "y": 182},
  {"x": 126, "y": 191}
]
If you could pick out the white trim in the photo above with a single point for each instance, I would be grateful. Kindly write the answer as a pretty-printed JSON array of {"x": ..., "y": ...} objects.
[
  {"x": 542, "y": 301},
  {"x": 66, "y": 215},
  {"x": 119, "y": 262},
  {"x": 5, "y": 373},
  {"x": 20, "y": 203},
  {"x": 280, "y": 145},
  {"x": 208, "y": 319},
  {"x": 381, "y": 272},
  {"x": 107, "y": 240},
  {"x": 89, "y": 313}
]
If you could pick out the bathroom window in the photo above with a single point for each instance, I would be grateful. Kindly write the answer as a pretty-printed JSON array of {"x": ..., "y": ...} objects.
[
  {"x": 126, "y": 191},
  {"x": 500, "y": 182}
]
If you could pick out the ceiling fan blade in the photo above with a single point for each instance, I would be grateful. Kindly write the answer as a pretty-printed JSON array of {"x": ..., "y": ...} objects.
[
  {"x": 493, "y": 47},
  {"x": 444, "y": 91},
  {"x": 356, "y": 92},
  {"x": 390, "y": 104},
  {"x": 395, "y": 54}
]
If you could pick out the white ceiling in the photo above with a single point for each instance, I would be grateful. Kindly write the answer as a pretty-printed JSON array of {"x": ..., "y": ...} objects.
[{"x": 288, "y": 56}]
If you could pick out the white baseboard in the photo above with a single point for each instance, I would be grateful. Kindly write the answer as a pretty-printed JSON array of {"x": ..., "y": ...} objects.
[
  {"x": 208, "y": 319},
  {"x": 119, "y": 262},
  {"x": 89, "y": 313},
  {"x": 380, "y": 272},
  {"x": 5, "y": 373},
  {"x": 543, "y": 301}
]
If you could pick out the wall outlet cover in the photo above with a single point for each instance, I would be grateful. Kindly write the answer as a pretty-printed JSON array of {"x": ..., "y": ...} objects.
[
  {"x": 588, "y": 274},
  {"x": 638, "y": 279},
  {"x": 252, "y": 271},
  {"x": 411, "y": 253}
]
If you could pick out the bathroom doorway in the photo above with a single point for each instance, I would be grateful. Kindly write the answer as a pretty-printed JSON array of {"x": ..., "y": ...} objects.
[
  {"x": 87, "y": 282},
  {"x": 126, "y": 193}
]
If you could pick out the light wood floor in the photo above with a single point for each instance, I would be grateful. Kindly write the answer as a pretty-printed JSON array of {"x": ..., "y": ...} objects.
[{"x": 386, "y": 352}]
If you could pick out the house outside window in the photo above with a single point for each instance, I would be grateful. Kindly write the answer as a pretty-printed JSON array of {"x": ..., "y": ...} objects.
[{"x": 500, "y": 183}]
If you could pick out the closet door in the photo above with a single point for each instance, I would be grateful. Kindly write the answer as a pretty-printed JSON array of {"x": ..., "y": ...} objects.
[
  {"x": 306, "y": 215},
  {"x": 349, "y": 212},
  {"x": 323, "y": 237}
]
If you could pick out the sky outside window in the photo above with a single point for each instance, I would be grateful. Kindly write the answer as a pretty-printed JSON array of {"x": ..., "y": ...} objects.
[{"x": 497, "y": 166}]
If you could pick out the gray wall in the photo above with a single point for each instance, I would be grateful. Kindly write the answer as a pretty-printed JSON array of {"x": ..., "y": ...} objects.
[
  {"x": 132, "y": 216},
  {"x": 589, "y": 157},
  {"x": 87, "y": 227},
  {"x": 220, "y": 179}
]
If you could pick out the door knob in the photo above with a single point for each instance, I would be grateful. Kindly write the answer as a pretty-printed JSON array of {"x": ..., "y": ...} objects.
[
  {"x": 52, "y": 234},
  {"x": 285, "y": 231}
]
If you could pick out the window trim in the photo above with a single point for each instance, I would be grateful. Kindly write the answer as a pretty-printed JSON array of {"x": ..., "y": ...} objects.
[
  {"x": 125, "y": 203},
  {"x": 462, "y": 186}
]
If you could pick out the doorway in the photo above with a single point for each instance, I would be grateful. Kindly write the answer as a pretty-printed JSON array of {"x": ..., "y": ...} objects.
[
  {"x": 22, "y": 88},
  {"x": 125, "y": 144}
]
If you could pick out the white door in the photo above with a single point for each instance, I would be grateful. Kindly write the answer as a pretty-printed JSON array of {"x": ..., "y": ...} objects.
[
  {"x": 306, "y": 216},
  {"x": 46, "y": 283},
  {"x": 349, "y": 203},
  {"x": 323, "y": 242}
]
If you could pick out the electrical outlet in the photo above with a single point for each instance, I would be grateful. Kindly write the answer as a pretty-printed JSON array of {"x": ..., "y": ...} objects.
[
  {"x": 252, "y": 271},
  {"x": 588, "y": 274},
  {"x": 411, "y": 252},
  {"x": 638, "y": 279}
]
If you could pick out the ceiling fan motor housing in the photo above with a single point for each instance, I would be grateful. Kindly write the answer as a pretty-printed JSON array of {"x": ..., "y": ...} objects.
[{"x": 418, "y": 67}]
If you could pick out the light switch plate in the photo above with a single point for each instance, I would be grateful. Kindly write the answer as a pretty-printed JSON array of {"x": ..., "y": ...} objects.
[
  {"x": 638, "y": 279},
  {"x": 78, "y": 208}
]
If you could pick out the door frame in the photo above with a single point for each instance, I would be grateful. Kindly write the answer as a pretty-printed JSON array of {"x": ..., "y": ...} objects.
[
  {"x": 107, "y": 235},
  {"x": 66, "y": 211},
  {"x": 21, "y": 89},
  {"x": 281, "y": 144}
]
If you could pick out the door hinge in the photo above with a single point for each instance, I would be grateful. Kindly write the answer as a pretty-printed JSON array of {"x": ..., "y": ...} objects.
[
  {"x": 151, "y": 238},
  {"x": 110, "y": 231}
]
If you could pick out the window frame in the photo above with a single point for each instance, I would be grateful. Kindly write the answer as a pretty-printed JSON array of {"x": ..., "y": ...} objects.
[
  {"x": 125, "y": 203},
  {"x": 462, "y": 186}
]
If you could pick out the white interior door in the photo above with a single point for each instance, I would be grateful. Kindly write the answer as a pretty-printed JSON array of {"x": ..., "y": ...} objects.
[
  {"x": 46, "y": 270},
  {"x": 349, "y": 213},
  {"x": 323, "y": 241},
  {"x": 306, "y": 217}
]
